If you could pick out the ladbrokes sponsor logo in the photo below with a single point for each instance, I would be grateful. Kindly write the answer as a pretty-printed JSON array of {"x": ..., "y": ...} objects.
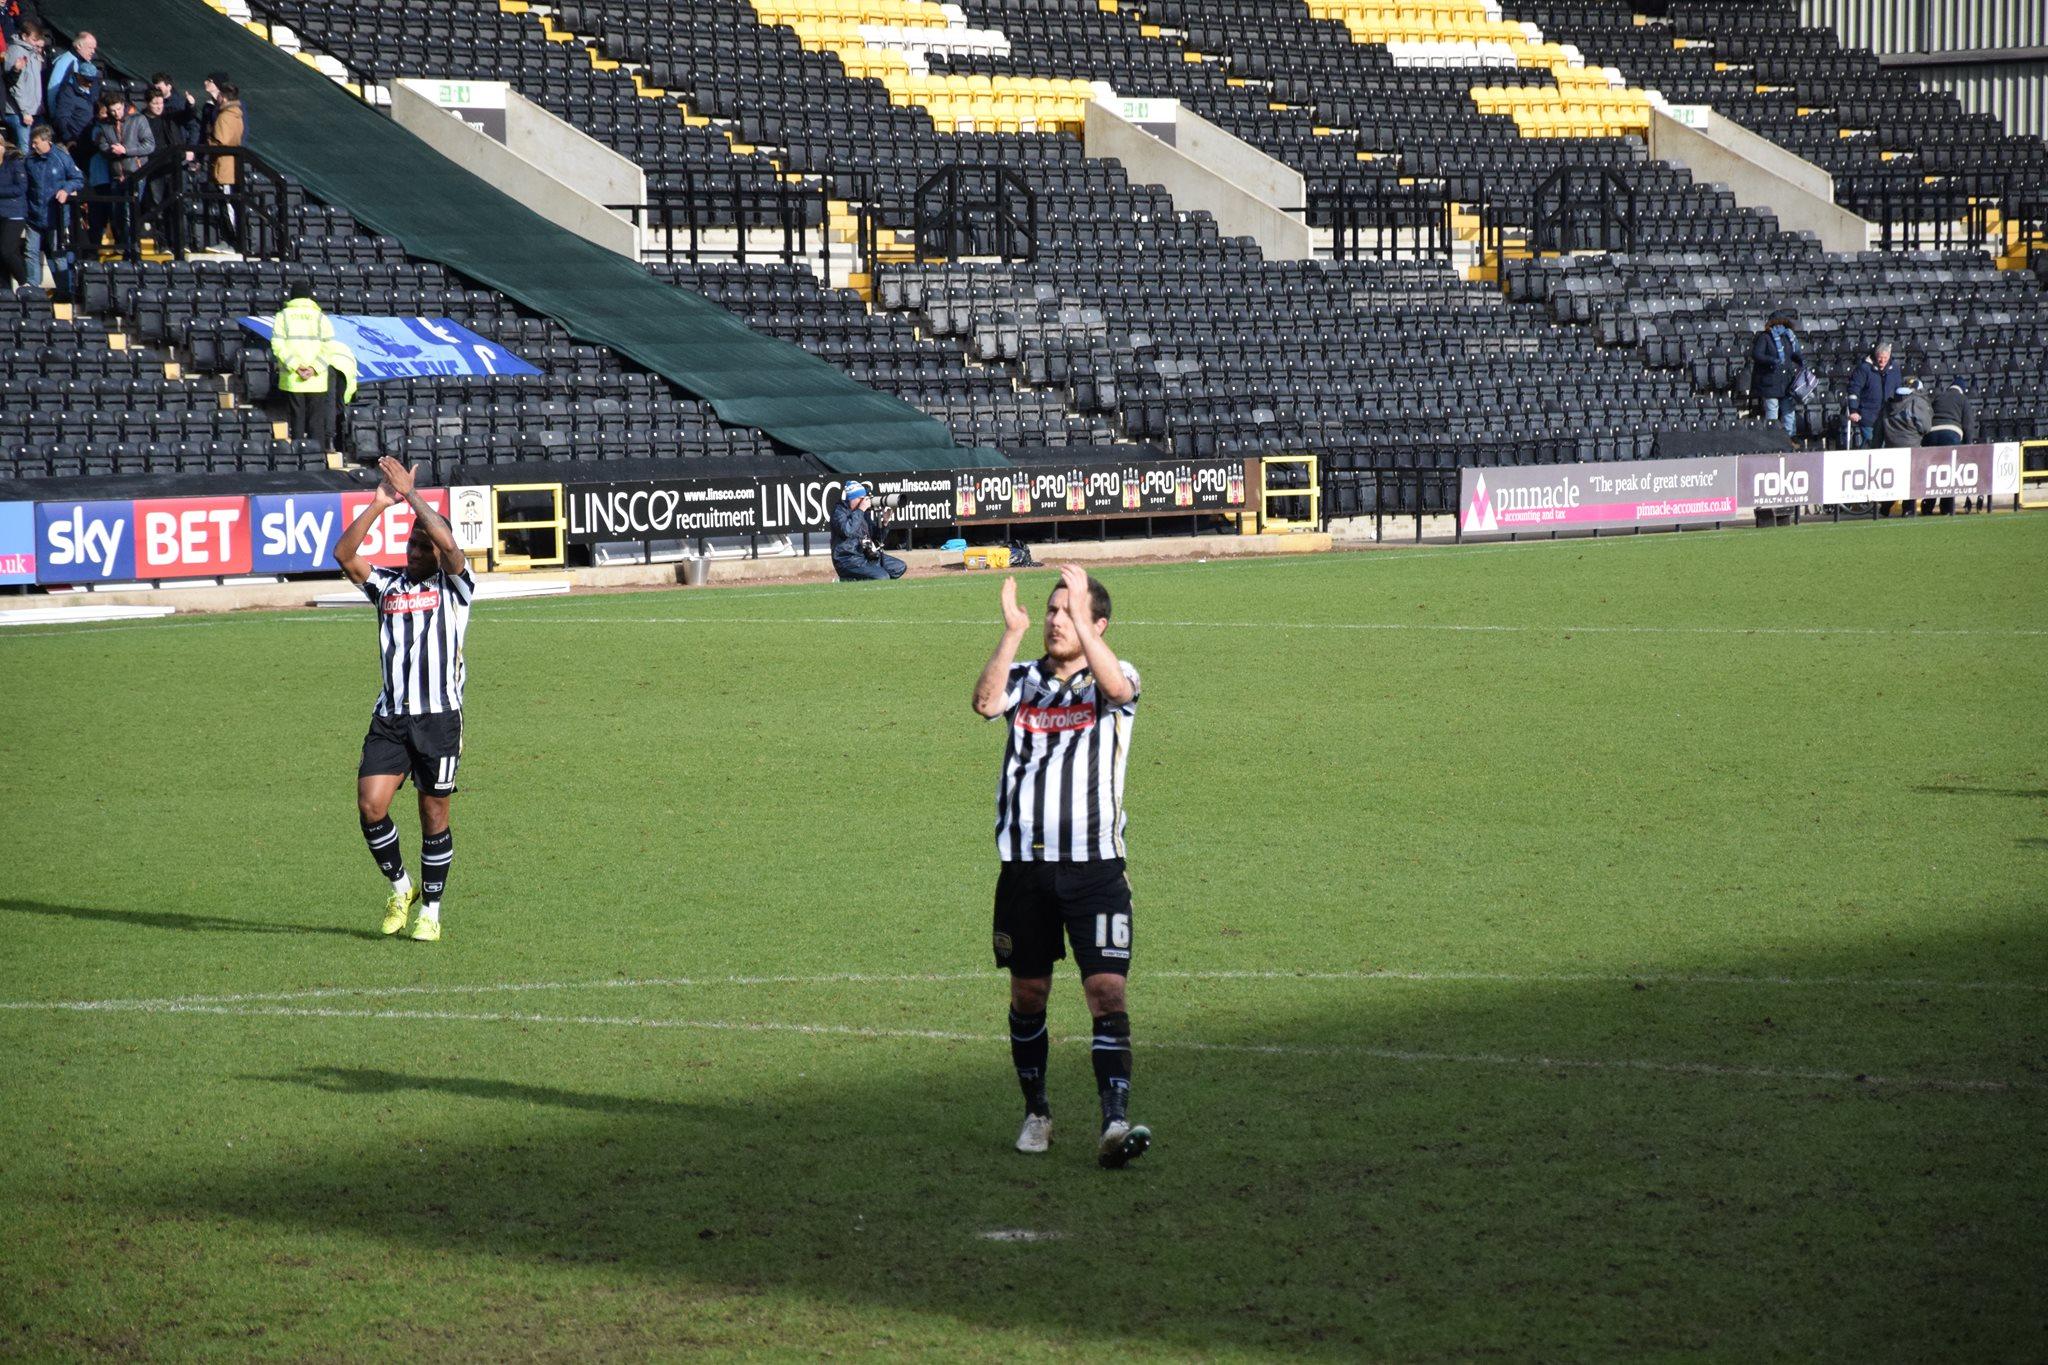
[
  {"x": 1868, "y": 475},
  {"x": 407, "y": 600},
  {"x": 1055, "y": 720}
]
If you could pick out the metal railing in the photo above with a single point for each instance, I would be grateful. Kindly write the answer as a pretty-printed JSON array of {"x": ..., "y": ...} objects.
[
  {"x": 1584, "y": 208},
  {"x": 175, "y": 200},
  {"x": 976, "y": 209},
  {"x": 1378, "y": 220},
  {"x": 689, "y": 223},
  {"x": 1913, "y": 210}
]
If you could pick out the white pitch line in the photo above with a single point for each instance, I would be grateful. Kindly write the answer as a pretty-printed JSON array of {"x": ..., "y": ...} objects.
[
  {"x": 1900, "y": 632},
  {"x": 1404, "y": 1055},
  {"x": 144, "y": 1003}
]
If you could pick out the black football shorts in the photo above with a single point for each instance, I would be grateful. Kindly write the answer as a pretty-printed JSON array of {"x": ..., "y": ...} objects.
[
  {"x": 1040, "y": 905},
  {"x": 426, "y": 748}
]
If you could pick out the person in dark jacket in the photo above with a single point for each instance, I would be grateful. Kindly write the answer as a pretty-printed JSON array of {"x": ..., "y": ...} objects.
[
  {"x": 125, "y": 142},
  {"x": 1876, "y": 378},
  {"x": 1954, "y": 424},
  {"x": 857, "y": 538},
  {"x": 180, "y": 111},
  {"x": 1776, "y": 358},
  {"x": 72, "y": 109},
  {"x": 13, "y": 216},
  {"x": 54, "y": 180}
]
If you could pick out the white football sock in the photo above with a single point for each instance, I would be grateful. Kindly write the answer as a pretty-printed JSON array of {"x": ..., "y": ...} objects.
[{"x": 401, "y": 885}]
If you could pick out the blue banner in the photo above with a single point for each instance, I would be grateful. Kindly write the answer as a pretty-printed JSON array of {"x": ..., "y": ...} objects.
[
  {"x": 17, "y": 542},
  {"x": 85, "y": 542},
  {"x": 295, "y": 532},
  {"x": 405, "y": 348}
]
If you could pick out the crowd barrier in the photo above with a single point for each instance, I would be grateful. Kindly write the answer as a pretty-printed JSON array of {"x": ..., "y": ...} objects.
[
  {"x": 1516, "y": 500},
  {"x": 73, "y": 541},
  {"x": 536, "y": 523}
]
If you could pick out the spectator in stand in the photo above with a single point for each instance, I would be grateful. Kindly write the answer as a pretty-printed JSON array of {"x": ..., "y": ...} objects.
[
  {"x": 54, "y": 180},
  {"x": 71, "y": 110},
  {"x": 23, "y": 89},
  {"x": 1876, "y": 378},
  {"x": 215, "y": 100},
  {"x": 13, "y": 216},
  {"x": 77, "y": 58},
  {"x": 1777, "y": 358},
  {"x": 1954, "y": 424},
  {"x": 180, "y": 110},
  {"x": 165, "y": 130},
  {"x": 300, "y": 336},
  {"x": 125, "y": 142},
  {"x": 225, "y": 129}
]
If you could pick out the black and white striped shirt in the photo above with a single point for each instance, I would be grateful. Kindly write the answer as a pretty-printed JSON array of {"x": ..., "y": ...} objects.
[
  {"x": 1060, "y": 798},
  {"x": 419, "y": 636}
]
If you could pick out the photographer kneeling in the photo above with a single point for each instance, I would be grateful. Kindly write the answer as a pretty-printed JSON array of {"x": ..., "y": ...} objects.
[{"x": 857, "y": 538}]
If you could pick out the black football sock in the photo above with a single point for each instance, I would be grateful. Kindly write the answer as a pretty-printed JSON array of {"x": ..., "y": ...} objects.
[
  {"x": 1112, "y": 1054},
  {"x": 437, "y": 854},
  {"x": 1028, "y": 1045},
  {"x": 382, "y": 837}
]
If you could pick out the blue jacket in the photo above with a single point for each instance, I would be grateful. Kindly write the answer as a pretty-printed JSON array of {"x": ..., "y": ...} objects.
[
  {"x": 1777, "y": 359},
  {"x": 1871, "y": 388},
  {"x": 849, "y": 528},
  {"x": 66, "y": 62},
  {"x": 14, "y": 189},
  {"x": 72, "y": 108},
  {"x": 47, "y": 175}
]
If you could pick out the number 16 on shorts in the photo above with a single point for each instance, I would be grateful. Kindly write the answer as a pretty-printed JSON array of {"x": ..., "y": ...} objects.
[{"x": 1113, "y": 931}]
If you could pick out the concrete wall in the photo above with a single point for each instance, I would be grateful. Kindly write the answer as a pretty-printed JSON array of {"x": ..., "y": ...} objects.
[
  {"x": 530, "y": 183},
  {"x": 571, "y": 156},
  {"x": 1243, "y": 187},
  {"x": 1762, "y": 175}
]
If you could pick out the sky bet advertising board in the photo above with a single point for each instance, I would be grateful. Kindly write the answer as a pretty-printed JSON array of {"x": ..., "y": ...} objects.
[{"x": 156, "y": 538}]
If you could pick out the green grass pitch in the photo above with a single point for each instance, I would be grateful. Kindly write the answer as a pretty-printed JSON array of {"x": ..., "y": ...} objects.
[{"x": 1616, "y": 949}]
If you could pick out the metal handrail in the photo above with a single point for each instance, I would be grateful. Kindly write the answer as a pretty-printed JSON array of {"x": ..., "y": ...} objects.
[
  {"x": 973, "y": 199},
  {"x": 1381, "y": 216},
  {"x": 1555, "y": 207},
  {"x": 189, "y": 172},
  {"x": 692, "y": 209}
]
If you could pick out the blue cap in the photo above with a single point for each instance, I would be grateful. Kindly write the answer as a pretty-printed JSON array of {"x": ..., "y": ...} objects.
[{"x": 854, "y": 489}]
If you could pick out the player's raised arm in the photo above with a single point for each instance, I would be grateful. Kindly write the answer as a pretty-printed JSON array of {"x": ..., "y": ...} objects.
[
  {"x": 447, "y": 553},
  {"x": 347, "y": 550},
  {"x": 1110, "y": 683},
  {"x": 991, "y": 689}
]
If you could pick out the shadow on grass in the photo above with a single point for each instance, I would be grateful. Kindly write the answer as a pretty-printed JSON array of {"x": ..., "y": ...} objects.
[
  {"x": 174, "y": 919},
  {"x": 2017, "y": 793},
  {"x": 345, "y": 1080},
  {"x": 1393, "y": 1171}
]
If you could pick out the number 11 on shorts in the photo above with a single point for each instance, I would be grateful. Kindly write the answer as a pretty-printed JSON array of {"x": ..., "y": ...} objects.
[{"x": 1113, "y": 931}]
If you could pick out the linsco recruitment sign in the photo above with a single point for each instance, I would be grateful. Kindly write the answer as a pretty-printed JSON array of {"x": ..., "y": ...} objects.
[{"x": 666, "y": 509}]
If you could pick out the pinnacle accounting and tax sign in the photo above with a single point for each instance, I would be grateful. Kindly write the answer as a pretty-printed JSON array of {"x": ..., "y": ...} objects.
[{"x": 1539, "y": 499}]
